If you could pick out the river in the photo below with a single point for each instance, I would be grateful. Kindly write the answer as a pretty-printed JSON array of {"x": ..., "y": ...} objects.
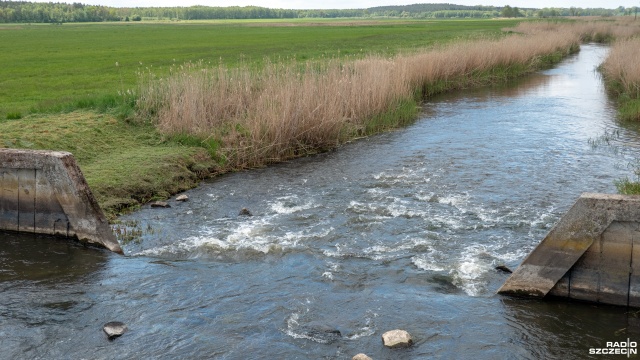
[{"x": 401, "y": 230}]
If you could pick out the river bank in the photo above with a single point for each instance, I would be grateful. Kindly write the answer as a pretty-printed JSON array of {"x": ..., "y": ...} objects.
[
  {"x": 249, "y": 118},
  {"x": 622, "y": 77},
  {"x": 180, "y": 137}
]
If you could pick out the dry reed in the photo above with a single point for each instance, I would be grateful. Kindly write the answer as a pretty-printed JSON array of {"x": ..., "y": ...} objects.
[
  {"x": 284, "y": 110},
  {"x": 589, "y": 30},
  {"x": 621, "y": 66},
  {"x": 622, "y": 75}
]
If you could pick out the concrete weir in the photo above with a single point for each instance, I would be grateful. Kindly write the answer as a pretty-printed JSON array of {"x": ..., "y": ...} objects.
[
  {"x": 592, "y": 254},
  {"x": 44, "y": 192}
]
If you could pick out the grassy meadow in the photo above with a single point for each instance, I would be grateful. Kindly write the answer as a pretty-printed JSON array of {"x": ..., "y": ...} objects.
[
  {"x": 149, "y": 109},
  {"x": 49, "y": 67}
]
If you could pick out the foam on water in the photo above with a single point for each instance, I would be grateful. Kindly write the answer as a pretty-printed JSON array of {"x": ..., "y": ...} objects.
[
  {"x": 432, "y": 260},
  {"x": 291, "y": 204},
  {"x": 258, "y": 234},
  {"x": 469, "y": 271},
  {"x": 469, "y": 266}
]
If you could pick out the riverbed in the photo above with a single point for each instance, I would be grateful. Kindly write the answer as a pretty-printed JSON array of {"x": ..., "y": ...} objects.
[{"x": 400, "y": 230}]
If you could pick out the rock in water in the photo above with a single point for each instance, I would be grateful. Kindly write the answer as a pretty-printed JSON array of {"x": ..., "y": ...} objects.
[
  {"x": 361, "y": 357},
  {"x": 397, "y": 339},
  {"x": 321, "y": 332},
  {"x": 182, "y": 198},
  {"x": 114, "y": 329},
  {"x": 245, "y": 212}
]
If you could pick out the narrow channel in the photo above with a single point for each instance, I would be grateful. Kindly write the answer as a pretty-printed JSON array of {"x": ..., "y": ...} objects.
[{"x": 401, "y": 230}]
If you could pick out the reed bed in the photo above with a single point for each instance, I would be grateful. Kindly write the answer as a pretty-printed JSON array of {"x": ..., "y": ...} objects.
[
  {"x": 595, "y": 30},
  {"x": 622, "y": 74},
  {"x": 282, "y": 110}
]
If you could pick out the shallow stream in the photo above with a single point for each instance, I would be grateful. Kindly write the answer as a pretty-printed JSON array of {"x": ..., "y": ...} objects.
[{"x": 402, "y": 230}]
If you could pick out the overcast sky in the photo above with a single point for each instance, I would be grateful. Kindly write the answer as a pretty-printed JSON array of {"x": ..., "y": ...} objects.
[{"x": 355, "y": 4}]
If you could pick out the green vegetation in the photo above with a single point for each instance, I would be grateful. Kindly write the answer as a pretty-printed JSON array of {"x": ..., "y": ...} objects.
[
  {"x": 44, "y": 68},
  {"x": 124, "y": 164},
  {"x": 14, "y": 115},
  {"x": 73, "y": 87},
  {"x": 82, "y": 88}
]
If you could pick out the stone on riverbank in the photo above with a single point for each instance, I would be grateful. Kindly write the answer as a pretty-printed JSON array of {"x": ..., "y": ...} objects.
[
  {"x": 397, "y": 339},
  {"x": 160, "y": 204},
  {"x": 182, "y": 198},
  {"x": 114, "y": 329}
]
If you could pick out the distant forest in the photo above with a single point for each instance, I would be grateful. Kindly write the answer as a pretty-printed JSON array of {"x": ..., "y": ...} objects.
[{"x": 57, "y": 13}]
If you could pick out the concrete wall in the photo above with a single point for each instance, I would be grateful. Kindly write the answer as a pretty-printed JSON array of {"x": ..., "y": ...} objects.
[
  {"x": 592, "y": 254},
  {"x": 44, "y": 192}
]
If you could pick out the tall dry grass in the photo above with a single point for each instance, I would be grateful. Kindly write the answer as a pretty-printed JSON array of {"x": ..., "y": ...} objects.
[
  {"x": 622, "y": 76},
  {"x": 587, "y": 30},
  {"x": 280, "y": 111},
  {"x": 622, "y": 67}
]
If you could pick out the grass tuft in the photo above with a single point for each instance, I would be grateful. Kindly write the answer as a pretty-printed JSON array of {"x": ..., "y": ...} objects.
[{"x": 14, "y": 115}]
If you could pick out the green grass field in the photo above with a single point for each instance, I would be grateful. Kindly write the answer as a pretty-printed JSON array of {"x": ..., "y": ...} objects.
[{"x": 47, "y": 67}]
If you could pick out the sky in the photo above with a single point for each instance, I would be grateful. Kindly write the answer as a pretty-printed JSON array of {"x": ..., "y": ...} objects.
[{"x": 354, "y": 4}]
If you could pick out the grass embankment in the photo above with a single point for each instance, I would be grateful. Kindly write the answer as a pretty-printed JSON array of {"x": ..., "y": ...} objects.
[{"x": 111, "y": 153}]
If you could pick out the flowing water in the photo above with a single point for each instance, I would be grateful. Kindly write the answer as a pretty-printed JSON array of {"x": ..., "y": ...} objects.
[{"x": 401, "y": 230}]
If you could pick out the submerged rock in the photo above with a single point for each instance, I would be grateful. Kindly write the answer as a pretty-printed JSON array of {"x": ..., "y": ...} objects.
[
  {"x": 114, "y": 329},
  {"x": 245, "y": 212},
  {"x": 503, "y": 268},
  {"x": 397, "y": 339},
  {"x": 182, "y": 198},
  {"x": 321, "y": 332},
  {"x": 361, "y": 357},
  {"x": 160, "y": 204}
]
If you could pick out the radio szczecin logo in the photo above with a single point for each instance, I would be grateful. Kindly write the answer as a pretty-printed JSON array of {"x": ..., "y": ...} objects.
[{"x": 617, "y": 348}]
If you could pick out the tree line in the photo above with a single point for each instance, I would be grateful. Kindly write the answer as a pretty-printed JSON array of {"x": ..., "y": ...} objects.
[{"x": 29, "y": 12}]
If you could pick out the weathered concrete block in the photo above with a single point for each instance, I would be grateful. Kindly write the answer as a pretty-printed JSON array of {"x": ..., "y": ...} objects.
[
  {"x": 590, "y": 255},
  {"x": 45, "y": 192},
  {"x": 9, "y": 199}
]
